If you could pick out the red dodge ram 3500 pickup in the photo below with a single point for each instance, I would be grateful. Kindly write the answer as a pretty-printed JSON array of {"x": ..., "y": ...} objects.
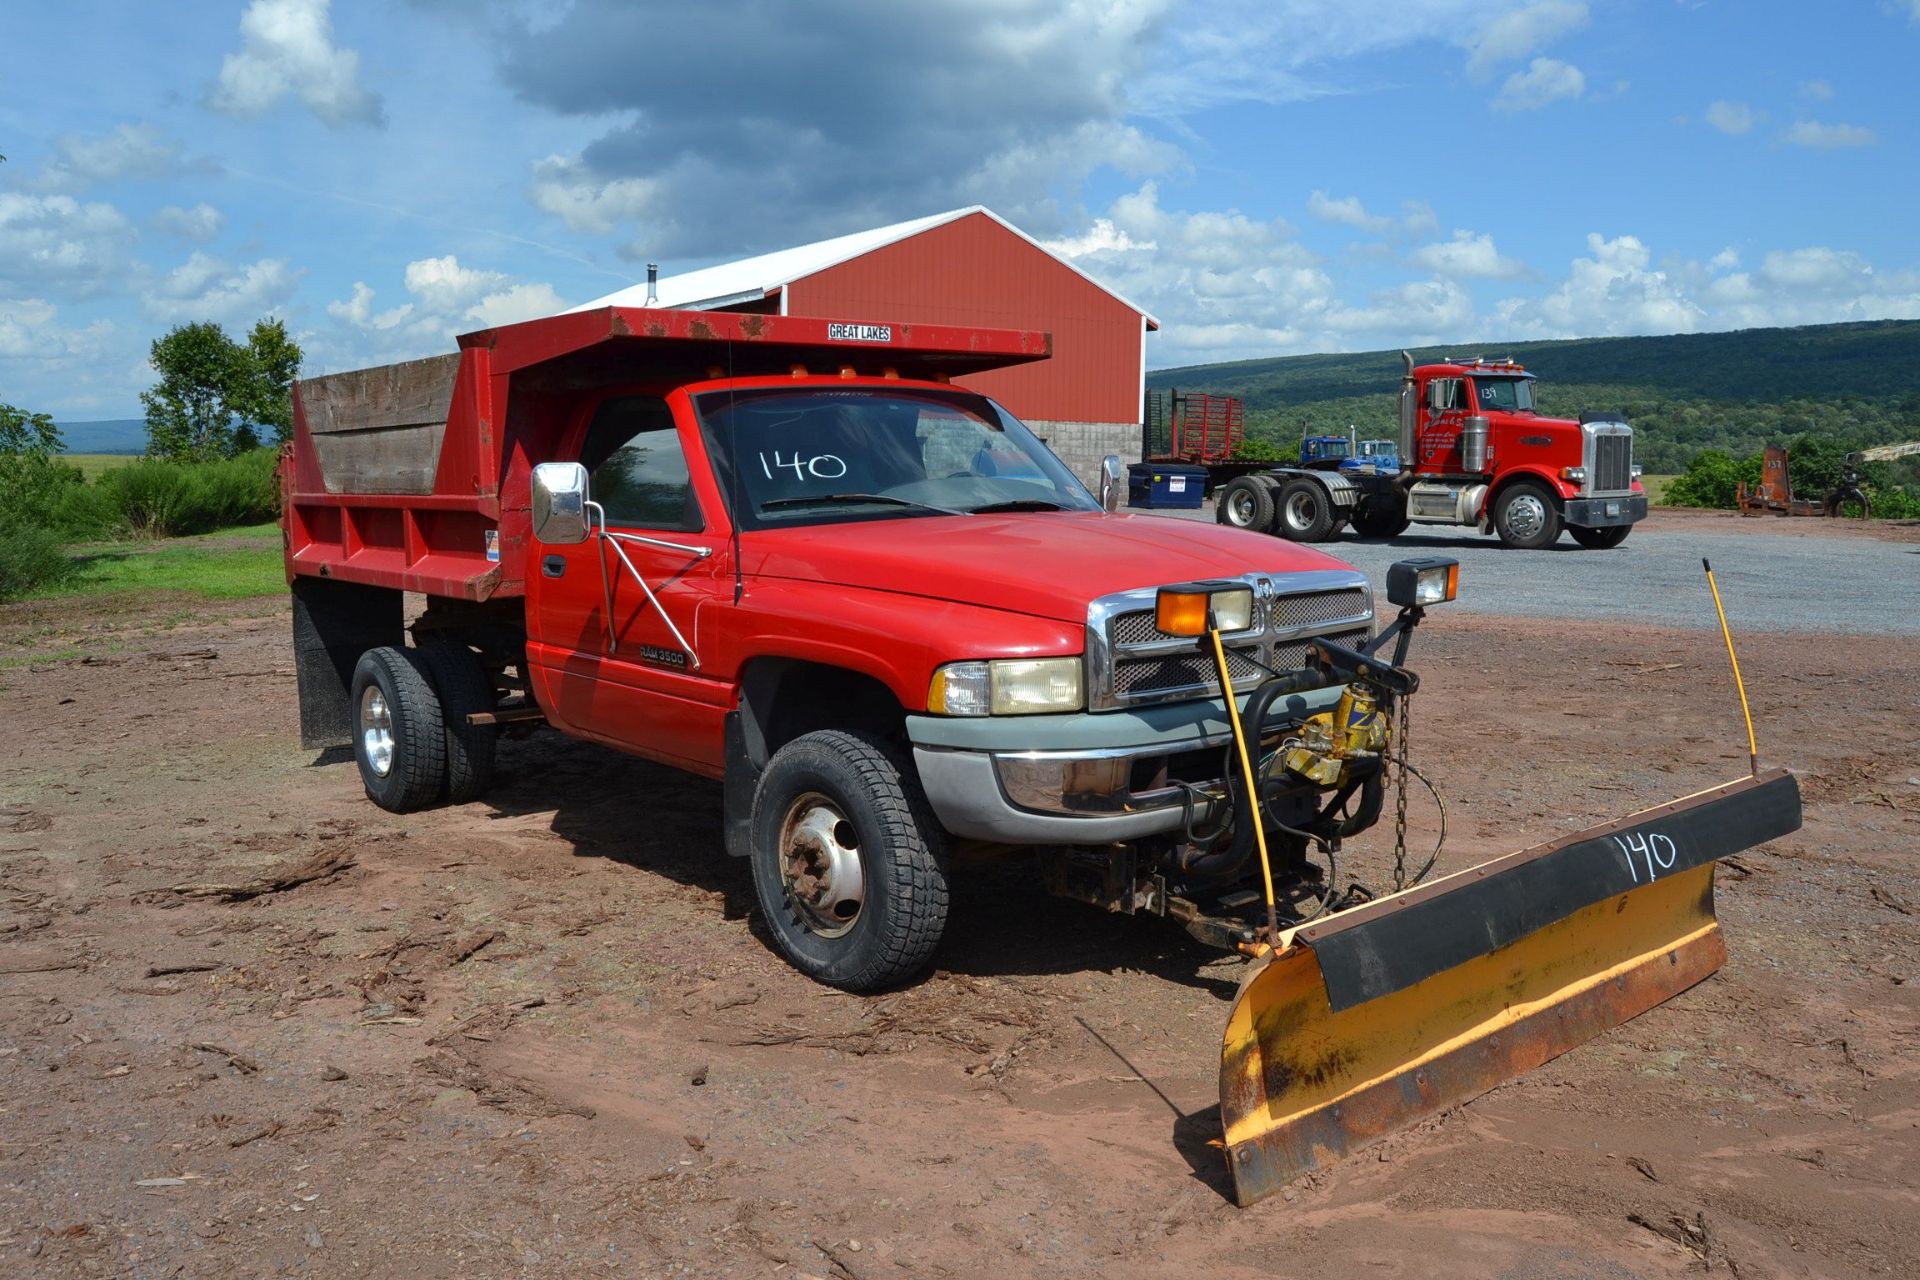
[{"x": 793, "y": 555}]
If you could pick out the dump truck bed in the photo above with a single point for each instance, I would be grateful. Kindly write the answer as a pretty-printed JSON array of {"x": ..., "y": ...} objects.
[{"x": 415, "y": 475}]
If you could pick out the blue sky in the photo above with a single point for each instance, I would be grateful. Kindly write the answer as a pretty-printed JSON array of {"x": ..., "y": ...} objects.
[{"x": 1268, "y": 176}]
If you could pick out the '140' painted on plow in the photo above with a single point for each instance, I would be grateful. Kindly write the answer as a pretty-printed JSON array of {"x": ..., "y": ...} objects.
[{"x": 1655, "y": 851}]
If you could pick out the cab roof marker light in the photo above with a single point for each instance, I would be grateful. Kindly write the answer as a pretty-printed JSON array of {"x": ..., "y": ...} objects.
[{"x": 797, "y": 370}]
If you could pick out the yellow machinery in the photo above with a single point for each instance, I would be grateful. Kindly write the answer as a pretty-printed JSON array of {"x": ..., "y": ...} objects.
[{"x": 1355, "y": 1023}]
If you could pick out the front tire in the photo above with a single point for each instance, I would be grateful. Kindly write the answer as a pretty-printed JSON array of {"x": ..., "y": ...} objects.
[
  {"x": 1527, "y": 517},
  {"x": 1245, "y": 503},
  {"x": 1306, "y": 512},
  {"x": 1600, "y": 539},
  {"x": 848, "y": 861},
  {"x": 399, "y": 742}
]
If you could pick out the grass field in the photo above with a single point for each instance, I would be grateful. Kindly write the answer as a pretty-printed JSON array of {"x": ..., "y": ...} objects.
[
  {"x": 1657, "y": 489},
  {"x": 92, "y": 464},
  {"x": 232, "y": 564}
]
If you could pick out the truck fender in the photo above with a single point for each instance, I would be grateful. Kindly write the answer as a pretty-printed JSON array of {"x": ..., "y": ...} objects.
[
  {"x": 1342, "y": 494},
  {"x": 1553, "y": 484}
]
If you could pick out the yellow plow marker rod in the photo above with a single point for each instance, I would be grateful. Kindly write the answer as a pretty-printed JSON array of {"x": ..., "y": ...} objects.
[{"x": 1426, "y": 999}]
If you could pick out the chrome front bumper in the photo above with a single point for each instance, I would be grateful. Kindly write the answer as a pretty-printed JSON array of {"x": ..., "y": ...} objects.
[{"x": 1068, "y": 780}]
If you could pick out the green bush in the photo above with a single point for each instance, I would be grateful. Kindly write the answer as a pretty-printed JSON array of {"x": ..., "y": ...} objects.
[
  {"x": 158, "y": 499},
  {"x": 1895, "y": 504},
  {"x": 30, "y": 558},
  {"x": 1713, "y": 479}
]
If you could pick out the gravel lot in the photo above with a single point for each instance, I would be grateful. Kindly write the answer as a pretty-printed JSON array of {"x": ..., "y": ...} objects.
[{"x": 1775, "y": 575}]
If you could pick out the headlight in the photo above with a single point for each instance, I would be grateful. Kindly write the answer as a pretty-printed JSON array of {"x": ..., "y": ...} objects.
[
  {"x": 1574, "y": 475},
  {"x": 1635, "y": 470},
  {"x": 1429, "y": 580},
  {"x": 1182, "y": 610},
  {"x": 1007, "y": 687}
]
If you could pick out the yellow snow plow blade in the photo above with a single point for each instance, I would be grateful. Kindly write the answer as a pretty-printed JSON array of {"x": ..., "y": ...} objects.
[{"x": 1380, "y": 1015}]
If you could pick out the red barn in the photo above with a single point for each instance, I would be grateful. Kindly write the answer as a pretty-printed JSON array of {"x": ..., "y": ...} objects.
[{"x": 969, "y": 266}]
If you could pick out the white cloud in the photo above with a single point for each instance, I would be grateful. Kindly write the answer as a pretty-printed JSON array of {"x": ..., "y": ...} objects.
[
  {"x": 1614, "y": 291},
  {"x": 1725, "y": 260},
  {"x": 1813, "y": 285},
  {"x": 442, "y": 284},
  {"x": 1223, "y": 284},
  {"x": 29, "y": 331},
  {"x": 1828, "y": 137},
  {"x": 514, "y": 304},
  {"x": 1466, "y": 256},
  {"x": 358, "y": 310},
  {"x": 1820, "y": 90},
  {"x": 588, "y": 202},
  {"x": 58, "y": 244},
  {"x": 1417, "y": 312},
  {"x": 1418, "y": 217},
  {"x": 1732, "y": 117},
  {"x": 207, "y": 288},
  {"x": 1347, "y": 211},
  {"x": 126, "y": 152},
  {"x": 198, "y": 224},
  {"x": 447, "y": 298},
  {"x": 1102, "y": 236},
  {"x": 286, "y": 46},
  {"x": 1518, "y": 33},
  {"x": 1545, "y": 80}
]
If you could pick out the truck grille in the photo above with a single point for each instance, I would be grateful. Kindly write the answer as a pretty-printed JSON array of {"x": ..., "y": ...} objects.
[
  {"x": 1612, "y": 468},
  {"x": 1131, "y": 661}
]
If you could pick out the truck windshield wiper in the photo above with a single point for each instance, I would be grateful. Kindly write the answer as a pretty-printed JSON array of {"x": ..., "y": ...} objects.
[
  {"x": 1020, "y": 504},
  {"x": 835, "y": 499}
]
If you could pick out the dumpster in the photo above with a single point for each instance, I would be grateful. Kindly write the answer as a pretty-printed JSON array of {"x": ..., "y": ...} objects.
[{"x": 1165, "y": 486}]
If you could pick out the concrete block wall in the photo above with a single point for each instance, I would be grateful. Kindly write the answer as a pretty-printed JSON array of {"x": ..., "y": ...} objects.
[{"x": 1081, "y": 445}]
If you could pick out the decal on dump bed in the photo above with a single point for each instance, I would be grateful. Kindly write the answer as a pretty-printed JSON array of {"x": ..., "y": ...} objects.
[{"x": 860, "y": 333}]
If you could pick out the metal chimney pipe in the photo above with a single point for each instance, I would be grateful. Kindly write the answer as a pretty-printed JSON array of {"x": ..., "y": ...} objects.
[{"x": 653, "y": 284}]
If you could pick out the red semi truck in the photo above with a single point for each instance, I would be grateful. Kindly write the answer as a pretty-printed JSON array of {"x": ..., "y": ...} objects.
[
  {"x": 1473, "y": 451},
  {"x": 791, "y": 555}
]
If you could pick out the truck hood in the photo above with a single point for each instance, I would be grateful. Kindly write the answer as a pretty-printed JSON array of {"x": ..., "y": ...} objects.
[{"x": 1045, "y": 564}]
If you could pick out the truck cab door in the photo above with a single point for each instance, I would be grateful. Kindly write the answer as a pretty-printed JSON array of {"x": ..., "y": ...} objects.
[
  {"x": 1443, "y": 412},
  {"x": 614, "y": 623}
]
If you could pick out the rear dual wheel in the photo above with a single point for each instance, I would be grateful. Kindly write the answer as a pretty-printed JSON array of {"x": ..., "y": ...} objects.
[
  {"x": 1307, "y": 512},
  {"x": 412, "y": 742},
  {"x": 1245, "y": 502}
]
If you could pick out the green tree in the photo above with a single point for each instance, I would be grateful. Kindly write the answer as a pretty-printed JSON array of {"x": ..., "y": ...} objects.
[
  {"x": 274, "y": 361},
  {"x": 214, "y": 393}
]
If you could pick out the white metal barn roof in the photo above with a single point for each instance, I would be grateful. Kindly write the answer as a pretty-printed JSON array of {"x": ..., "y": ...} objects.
[{"x": 751, "y": 279}]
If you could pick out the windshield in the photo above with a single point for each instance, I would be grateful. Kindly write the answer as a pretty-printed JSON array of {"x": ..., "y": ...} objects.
[
  {"x": 1508, "y": 395},
  {"x": 811, "y": 456}
]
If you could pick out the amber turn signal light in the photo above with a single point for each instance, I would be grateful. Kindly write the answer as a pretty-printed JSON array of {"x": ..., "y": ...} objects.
[{"x": 1183, "y": 610}]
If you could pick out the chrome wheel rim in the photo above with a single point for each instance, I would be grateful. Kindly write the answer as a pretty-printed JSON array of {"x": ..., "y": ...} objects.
[
  {"x": 1301, "y": 510},
  {"x": 1526, "y": 516},
  {"x": 820, "y": 866},
  {"x": 376, "y": 731},
  {"x": 1240, "y": 508}
]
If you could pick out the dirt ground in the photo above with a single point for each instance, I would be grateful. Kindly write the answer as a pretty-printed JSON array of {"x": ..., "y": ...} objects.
[{"x": 543, "y": 1035}]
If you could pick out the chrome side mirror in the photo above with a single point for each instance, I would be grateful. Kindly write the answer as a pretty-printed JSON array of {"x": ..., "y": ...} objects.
[
  {"x": 560, "y": 503},
  {"x": 1113, "y": 481}
]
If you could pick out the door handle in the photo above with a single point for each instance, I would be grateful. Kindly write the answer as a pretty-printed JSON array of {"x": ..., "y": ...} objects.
[{"x": 554, "y": 566}]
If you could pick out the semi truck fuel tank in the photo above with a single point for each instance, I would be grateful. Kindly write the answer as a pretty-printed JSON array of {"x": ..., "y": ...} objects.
[{"x": 1445, "y": 502}]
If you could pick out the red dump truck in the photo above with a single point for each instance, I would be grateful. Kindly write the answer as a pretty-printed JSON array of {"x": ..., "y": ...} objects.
[{"x": 793, "y": 555}]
